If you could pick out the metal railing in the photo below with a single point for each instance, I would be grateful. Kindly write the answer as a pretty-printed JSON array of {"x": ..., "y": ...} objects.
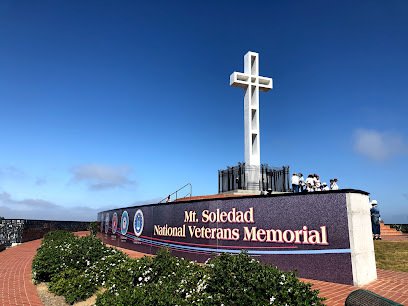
[
  {"x": 175, "y": 195},
  {"x": 235, "y": 178}
]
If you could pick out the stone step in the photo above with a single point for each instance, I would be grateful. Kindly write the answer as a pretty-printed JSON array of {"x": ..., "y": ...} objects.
[{"x": 386, "y": 230}]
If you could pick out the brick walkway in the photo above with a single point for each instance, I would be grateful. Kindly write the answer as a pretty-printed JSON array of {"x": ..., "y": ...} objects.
[
  {"x": 16, "y": 287},
  {"x": 390, "y": 284}
]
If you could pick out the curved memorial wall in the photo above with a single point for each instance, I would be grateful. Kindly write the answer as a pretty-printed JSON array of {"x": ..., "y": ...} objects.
[{"x": 322, "y": 235}]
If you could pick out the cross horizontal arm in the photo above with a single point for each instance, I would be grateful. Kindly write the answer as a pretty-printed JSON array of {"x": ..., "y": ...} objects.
[
  {"x": 243, "y": 80},
  {"x": 239, "y": 79},
  {"x": 264, "y": 83}
]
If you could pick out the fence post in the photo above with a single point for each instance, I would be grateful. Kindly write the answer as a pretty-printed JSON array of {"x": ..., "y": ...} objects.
[{"x": 286, "y": 182}]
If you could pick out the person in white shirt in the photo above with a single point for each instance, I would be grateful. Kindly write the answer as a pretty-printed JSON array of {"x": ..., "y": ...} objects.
[
  {"x": 325, "y": 187},
  {"x": 309, "y": 183},
  {"x": 333, "y": 184},
  {"x": 317, "y": 182},
  {"x": 295, "y": 182},
  {"x": 302, "y": 185}
]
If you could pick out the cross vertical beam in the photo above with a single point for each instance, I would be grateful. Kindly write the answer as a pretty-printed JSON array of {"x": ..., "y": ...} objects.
[{"x": 252, "y": 83}]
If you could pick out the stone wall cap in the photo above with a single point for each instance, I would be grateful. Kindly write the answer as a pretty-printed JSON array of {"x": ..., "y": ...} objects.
[{"x": 217, "y": 197}]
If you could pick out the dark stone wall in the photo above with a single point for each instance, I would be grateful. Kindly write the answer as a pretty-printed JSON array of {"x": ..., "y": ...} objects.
[
  {"x": 136, "y": 228},
  {"x": 23, "y": 230}
]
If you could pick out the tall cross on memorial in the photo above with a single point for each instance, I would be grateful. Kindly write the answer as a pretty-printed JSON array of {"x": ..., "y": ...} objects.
[{"x": 252, "y": 83}]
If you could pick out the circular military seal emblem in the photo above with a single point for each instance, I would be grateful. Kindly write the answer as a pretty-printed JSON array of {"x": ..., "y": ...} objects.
[
  {"x": 138, "y": 222},
  {"x": 124, "y": 223},
  {"x": 106, "y": 223},
  {"x": 114, "y": 223}
]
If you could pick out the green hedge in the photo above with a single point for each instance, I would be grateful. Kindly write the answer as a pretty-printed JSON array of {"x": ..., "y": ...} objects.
[{"x": 77, "y": 267}]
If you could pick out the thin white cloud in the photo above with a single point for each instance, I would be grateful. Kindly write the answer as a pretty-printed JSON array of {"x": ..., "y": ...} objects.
[
  {"x": 11, "y": 172},
  {"x": 58, "y": 214},
  {"x": 100, "y": 177},
  {"x": 379, "y": 145},
  {"x": 38, "y": 209},
  {"x": 7, "y": 200}
]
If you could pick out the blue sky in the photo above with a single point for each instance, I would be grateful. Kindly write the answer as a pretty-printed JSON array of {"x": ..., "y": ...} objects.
[{"x": 107, "y": 104}]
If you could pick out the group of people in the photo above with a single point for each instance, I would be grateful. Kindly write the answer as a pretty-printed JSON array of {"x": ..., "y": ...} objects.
[{"x": 311, "y": 183}]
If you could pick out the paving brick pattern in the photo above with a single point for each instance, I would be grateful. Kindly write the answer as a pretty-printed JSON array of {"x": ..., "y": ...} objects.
[
  {"x": 16, "y": 287},
  {"x": 390, "y": 284}
]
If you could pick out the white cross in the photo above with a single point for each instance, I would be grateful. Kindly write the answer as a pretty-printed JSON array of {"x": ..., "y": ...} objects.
[{"x": 252, "y": 83}]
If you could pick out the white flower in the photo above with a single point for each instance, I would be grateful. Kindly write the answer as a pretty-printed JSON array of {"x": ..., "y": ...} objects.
[{"x": 272, "y": 299}]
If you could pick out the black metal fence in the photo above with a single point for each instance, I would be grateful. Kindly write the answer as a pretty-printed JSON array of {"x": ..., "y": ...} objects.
[
  {"x": 270, "y": 178},
  {"x": 22, "y": 230}
]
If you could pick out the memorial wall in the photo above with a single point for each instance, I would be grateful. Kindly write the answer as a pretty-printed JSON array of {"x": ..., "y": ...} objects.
[
  {"x": 23, "y": 230},
  {"x": 313, "y": 233}
]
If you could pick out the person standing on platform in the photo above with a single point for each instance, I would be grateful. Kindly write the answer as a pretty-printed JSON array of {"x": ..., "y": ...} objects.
[
  {"x": 317, "y": 184},
  {"x": 375, "y": 220},
  {"x": 310, "y": 183},
  {"x": 333, "y": 184},
  {"x": 295, "y": 182},
  {"x": 301, "y": 182}
]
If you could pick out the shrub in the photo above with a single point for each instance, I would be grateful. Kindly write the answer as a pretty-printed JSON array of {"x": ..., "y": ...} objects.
[
  {"x": 50, "y": 257},
  {"x": 73, "y": 285},
  {"x": 93, "y": 228},
  {"x": 162, "y": 280},
  {"x": 242, "y": 280},
  {"x": 224, "y": 280},
  {"x": 76, "y": 267},
  {"x": 57, "y": 235}
]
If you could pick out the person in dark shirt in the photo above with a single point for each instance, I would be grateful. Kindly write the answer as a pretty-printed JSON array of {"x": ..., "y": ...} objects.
[{"x": 375, "y": 220}]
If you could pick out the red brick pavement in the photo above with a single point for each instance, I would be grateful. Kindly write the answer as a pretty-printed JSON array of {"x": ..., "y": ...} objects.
[
  {"x": 390, "y": 284},
  {"x": 16, "y": 287}
]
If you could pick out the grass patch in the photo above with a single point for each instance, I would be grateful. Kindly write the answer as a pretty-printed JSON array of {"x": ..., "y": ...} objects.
[{"x": 390, "y": 255}]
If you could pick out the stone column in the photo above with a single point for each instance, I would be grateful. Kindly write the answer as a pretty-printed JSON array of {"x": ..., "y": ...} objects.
[{"x": 361, "y": 241}]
